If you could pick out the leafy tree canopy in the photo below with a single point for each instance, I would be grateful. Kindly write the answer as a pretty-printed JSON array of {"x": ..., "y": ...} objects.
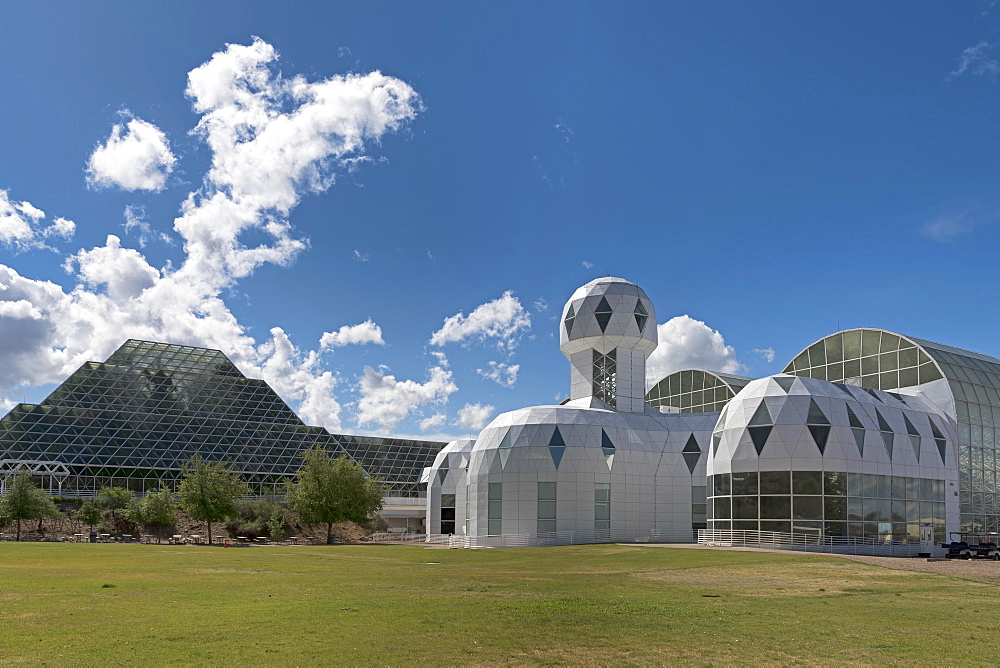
[
  {"x": 115, "y": 498},
  {"x": 90, "y": 513},
  {"x": 331, "y": 489},
  {"x": 24, "y": 501},
  {"x": 209, "y": 490}
]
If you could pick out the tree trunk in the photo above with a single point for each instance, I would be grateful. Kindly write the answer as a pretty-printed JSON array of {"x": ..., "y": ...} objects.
[
  {"x": 329, "y": 531},
  {"x": 18, "y": 530},
  {"x": 209, "y": 533}
]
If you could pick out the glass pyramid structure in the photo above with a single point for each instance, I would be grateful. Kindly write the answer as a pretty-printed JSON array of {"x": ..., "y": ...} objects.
[{"x": 135, "y": 419}]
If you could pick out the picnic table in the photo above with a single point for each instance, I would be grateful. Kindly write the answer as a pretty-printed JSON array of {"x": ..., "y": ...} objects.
[
  {"x": 79, "y": 538},
  {"x": 105, "y": 537}
]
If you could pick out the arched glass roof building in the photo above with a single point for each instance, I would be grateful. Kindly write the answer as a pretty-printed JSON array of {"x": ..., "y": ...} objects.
[
  {"x": 695, "y": 390},
  {"x": 970, "y": 391}
]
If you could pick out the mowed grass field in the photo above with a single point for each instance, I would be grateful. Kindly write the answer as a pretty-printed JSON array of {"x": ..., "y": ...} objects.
[{"x": 390, "y": 605}]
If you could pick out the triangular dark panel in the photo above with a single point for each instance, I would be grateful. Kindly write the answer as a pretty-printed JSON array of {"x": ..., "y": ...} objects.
[
  {"x": 859, "y": 438},
  {"x": 691, "y": 445},
  {"x": 820, "y": 434},
  {"x": 761, "y": 416},
  {"x": 887, "y": 439},
  {"x": 882, "y": 424},
  {"x": 557, "y": 438},
  {"x": 759, "y": 436},
  {"x": 853, "y": 419},
  {"x": 941, "y": 445},
  {"x": 641, "y": 316},
  {"x": 815, "y": 416},
  {"x": 570, "y": 315},
  {"x": 606, "y": 441},
  {"x": 785, "y": 382},
  {"x": 556, "y": 452},
  {"x": 691, "y": 459},
  {"x": 603, "y": 313}
]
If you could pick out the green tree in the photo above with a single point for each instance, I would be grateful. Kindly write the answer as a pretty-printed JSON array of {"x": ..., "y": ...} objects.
[
  {"x": 115, "y": 499},
  {"x": 24, "y": 501},
  {"x": 208, "y": 491},
  {"x": 331, "y": 489},
  {"x": 90, "y": 513},
  {"x": 155, "y": 510}
]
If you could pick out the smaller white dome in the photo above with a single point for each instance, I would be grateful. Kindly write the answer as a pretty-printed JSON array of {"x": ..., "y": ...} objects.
[{"x": 608, "y": 313}]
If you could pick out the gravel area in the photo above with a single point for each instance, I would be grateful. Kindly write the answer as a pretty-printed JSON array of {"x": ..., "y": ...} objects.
[{"x": 988, "y": 571}]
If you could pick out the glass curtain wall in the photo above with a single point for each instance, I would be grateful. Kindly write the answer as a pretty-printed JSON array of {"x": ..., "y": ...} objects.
[
  {"x": 695, "y": 391},
  {"x": 834, "y": 504},
  {"x": 135, "y": 419},
  {"x": 885, "y": 361}
]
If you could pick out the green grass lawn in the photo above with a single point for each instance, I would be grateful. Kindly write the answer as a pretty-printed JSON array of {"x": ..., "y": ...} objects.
[{"x": 388, "y": 605}]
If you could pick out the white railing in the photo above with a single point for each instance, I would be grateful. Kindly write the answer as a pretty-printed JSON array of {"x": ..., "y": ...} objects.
[
  {"x": 404, "y": 501},
  {"x": 539, "y": 539},
  {"x": 812, "y": 543},
  {"x": 764, "y": 539}
]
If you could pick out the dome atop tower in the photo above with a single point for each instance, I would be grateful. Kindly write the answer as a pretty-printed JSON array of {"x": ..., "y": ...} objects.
[{"x": 606, "y": 314}]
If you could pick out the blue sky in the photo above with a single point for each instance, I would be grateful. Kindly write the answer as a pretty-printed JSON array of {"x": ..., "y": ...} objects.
[{"x": 767, "y": 172}]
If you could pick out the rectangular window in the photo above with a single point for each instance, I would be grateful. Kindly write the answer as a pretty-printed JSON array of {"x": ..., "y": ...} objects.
[
  {"x": 699, "y": 509},
  {"x": 745, "y": 483},
  {"x": 602, "y": 511},
  {"x": 448, "y": 513},
  {"x": 495, "y": 509},
  {"x": 775, "y": 482},
  {"x": 546, "y": 507}
]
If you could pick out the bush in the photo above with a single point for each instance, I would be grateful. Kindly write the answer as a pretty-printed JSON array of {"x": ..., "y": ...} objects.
[
  {"x": 259, "y": 517},
  {"x": 276, "y": 529},
  {"x": 376, "y": 524}
]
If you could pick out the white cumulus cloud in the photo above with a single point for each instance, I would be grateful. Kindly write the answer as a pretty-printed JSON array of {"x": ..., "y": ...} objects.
[
  {"x": 386, "y": 401},
  {"x": 474, "y": 416},
  {"x": 432, "y": 422},
  {"x": 686, "y": 343},
  {"x": 21, "y": 226},
  {"x": 295, "y": 374},
  {"x": 501, "y": 373},
  {"x": 502, "y": 319},
  {"x": 136, "y": 156},
  {"x": 272, "y": 140},
  {"x": 767, "y": 354},
  {"x": 365, "y": 332}
]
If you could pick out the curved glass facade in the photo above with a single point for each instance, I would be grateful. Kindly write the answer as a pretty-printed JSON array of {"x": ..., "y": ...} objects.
[
  {"x": 695, "y": 391},
  {"x": 829, "y": 503},
  {"x": 886, "y": 361}
]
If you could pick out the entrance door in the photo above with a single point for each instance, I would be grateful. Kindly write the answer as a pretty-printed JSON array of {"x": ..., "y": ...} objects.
[{"x": 926, "y": 538}]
